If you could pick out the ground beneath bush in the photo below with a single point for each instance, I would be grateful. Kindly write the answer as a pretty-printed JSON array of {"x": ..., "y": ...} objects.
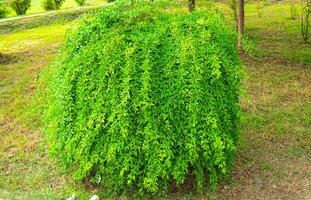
[{"x": 274, "y": 160}]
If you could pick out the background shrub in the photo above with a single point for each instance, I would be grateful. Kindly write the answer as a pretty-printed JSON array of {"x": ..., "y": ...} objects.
[
  {"x": 3, "y": 9},
  {"x": 20, "y": 6},
  {"x": 52, "y": 4},
  {"x": 141, "y": 97},
  {"x": 48, "y": 5},
  {"x": 80, "y": 2},
  {"x": 305, "y": 21},
  {"x": 293, "y": 12},
  {"x": 2, "y": 12},
  {"x": 58, "y": 4}
]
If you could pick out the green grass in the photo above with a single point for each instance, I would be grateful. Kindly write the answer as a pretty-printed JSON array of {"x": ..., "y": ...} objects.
[
  {"x": 16, "y": 25},
  {"x": 274, "y": 34},
  {"x": 279, "y": 37},
  {"x": 274, "y": 159},
  {"x": 25, "y": 168}
]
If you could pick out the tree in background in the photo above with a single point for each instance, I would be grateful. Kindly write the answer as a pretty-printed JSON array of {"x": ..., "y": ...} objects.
[
  {"x": 4, "y": 10},
  {"x": 58, "y": 4},
  {"x": 48, "y": 5},
  {"x": 305, "y": 19},
  {"x": 52, "y": 4},
  {"x": 241, "y": 22},
  {"x": 20, "y": 6},
  {"x": 80, "y": 2},
  {"x": 237, "y": 8},
  {"x": 191, "y": 5},
  {"x": 234, "y": 8},
  {"x": 293, "y": 12}
]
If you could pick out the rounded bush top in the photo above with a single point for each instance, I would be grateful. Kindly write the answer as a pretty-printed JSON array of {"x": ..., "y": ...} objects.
[{"x": 145, "y": 95}]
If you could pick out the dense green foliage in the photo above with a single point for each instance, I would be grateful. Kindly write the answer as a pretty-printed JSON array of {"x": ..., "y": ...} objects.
[
  {"x": 20, "y": 6},
  {"x": 143, "y": 96}
]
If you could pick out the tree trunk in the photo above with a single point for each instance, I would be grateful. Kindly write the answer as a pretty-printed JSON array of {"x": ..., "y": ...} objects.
[
  {"x": 241, "y": 22},
  {"x": 191, "y": 5}
]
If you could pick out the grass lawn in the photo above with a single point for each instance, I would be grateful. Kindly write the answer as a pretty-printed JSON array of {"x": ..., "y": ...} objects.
[{"x": 274, "y": 159}]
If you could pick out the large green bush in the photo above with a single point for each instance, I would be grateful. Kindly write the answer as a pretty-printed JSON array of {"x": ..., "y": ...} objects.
[{"x": 142, "y": 97}]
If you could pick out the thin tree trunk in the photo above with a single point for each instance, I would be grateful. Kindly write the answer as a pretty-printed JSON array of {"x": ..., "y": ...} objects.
[
  {"x": 241, "y": 22},
  {"x": 191, "y": 5}
]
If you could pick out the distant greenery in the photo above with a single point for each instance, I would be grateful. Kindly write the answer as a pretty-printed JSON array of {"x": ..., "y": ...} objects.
[{"x": 142, "y": 97}]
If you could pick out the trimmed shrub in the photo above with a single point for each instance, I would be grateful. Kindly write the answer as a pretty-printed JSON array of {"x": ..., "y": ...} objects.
[
  {"x": 58, "y": 4},
  {"x": 80, "y": 2},
  {"x": 52, "y": 4},
  {"x": 142, "y": 97},
  {"x": 20, "y": 6},
  {"x": 48, "y": 5}
]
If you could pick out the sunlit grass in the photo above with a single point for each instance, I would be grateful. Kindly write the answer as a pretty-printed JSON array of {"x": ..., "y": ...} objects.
[{"x": 26, "y": 171}]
